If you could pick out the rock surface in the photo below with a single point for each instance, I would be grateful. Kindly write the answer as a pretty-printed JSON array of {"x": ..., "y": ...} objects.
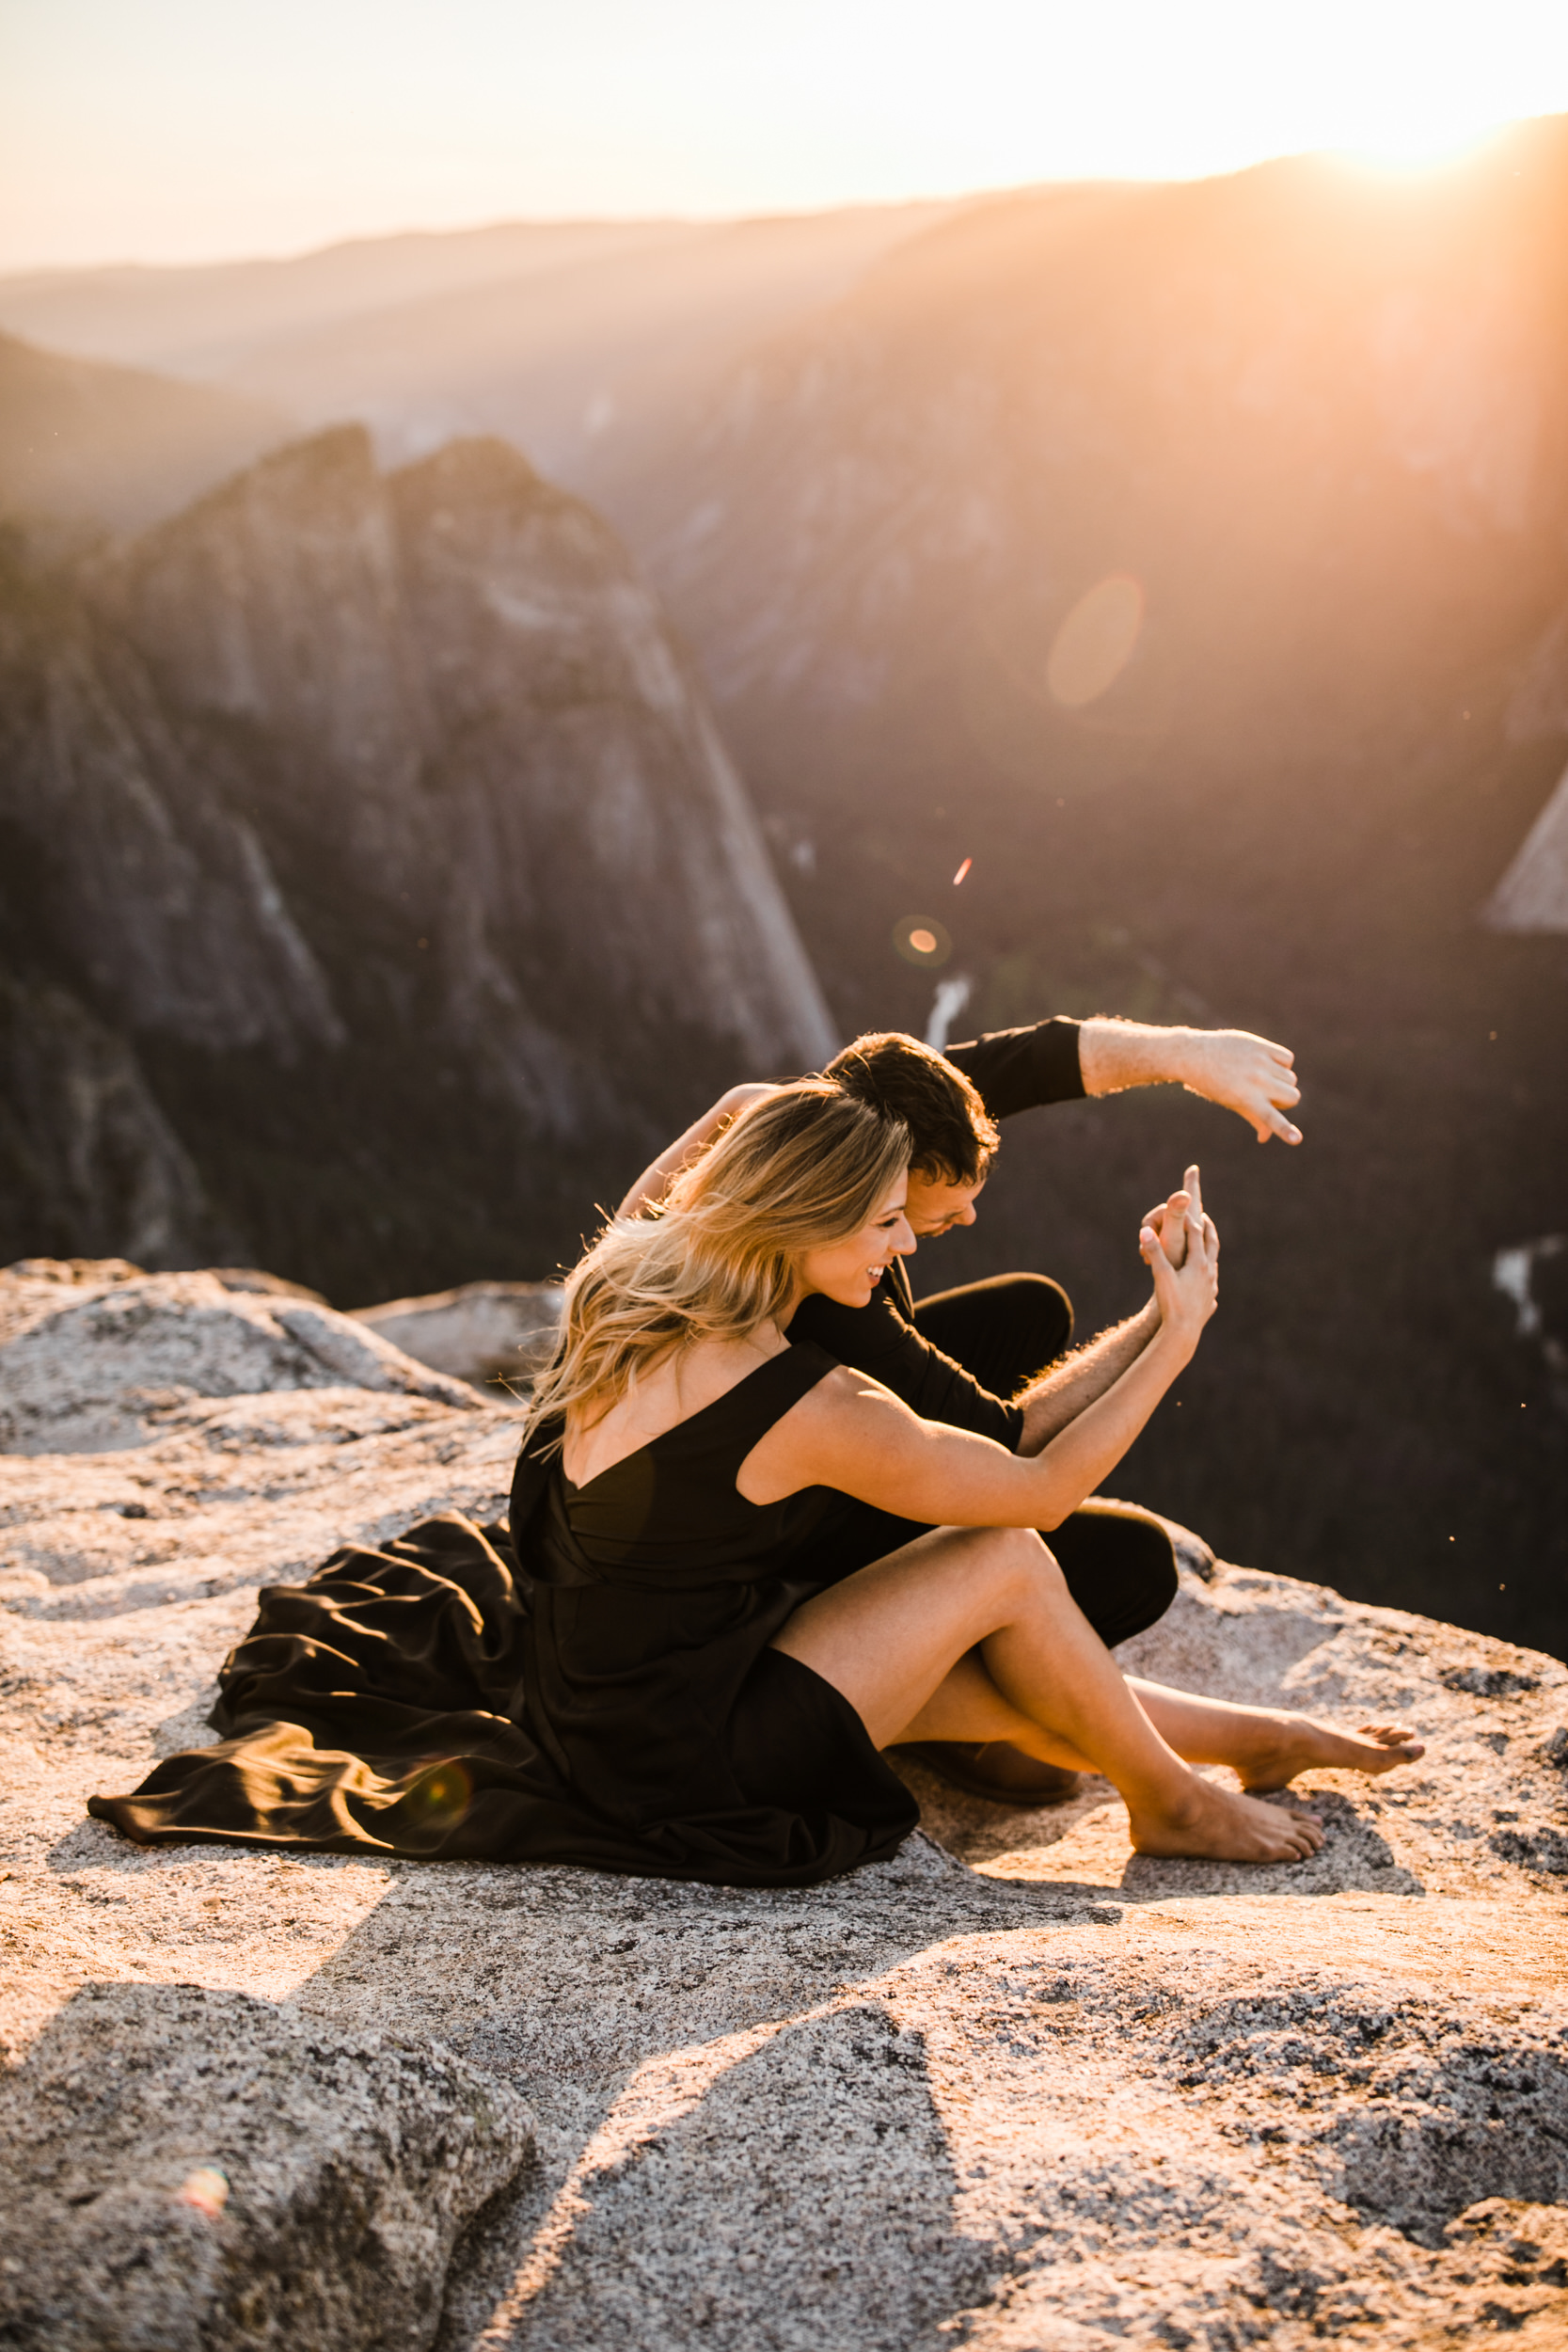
[
  {"x": 71, "y": 1332},
  {"x": 1532, "y": 895},
  {"x": 196, "y": 2171},
  {"x": 483, "y": 1332},
  {"x": 1017, "y": 2087}
]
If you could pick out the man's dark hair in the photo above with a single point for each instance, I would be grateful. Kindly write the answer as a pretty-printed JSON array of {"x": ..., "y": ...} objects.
[{"x": 955, "y": 1135}]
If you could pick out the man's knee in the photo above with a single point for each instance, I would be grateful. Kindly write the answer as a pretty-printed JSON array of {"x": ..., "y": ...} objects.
[
  {"x": 1043, "y": 1317},
  {"x": 1120, "y": 1568},
  {"x": 1037, "y": 1308},
  {"x": 1005, "y": 1330}
]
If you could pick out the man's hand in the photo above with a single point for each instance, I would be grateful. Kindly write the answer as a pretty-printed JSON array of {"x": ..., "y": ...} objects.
[
  {"x": 1060, "y": 1394},
  {"x": 1248, "y": 1075}
]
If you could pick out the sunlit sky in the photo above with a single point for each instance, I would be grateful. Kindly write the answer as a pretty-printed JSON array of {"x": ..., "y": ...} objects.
[{"x": 176, "y": 130}]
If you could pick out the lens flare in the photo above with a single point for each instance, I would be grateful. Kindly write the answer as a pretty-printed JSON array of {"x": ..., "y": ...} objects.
[
  {"x": 206, "y": 2190},
  {"x": 440, "y": 1799},
  {"x": 1096, "y": 641},
  {"x": 921, "y": 939}
]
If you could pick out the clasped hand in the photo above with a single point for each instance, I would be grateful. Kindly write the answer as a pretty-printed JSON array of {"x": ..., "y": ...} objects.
[{"x": 1181, "y": 1247}]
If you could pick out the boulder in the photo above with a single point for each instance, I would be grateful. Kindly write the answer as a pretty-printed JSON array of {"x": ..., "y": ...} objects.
[
  {"x": 1017, "y": 2086},
  {"x": 92, "y": 1354},
  {"x": 488, "y": 1333},
  {"x": 188, "y": 2170}
]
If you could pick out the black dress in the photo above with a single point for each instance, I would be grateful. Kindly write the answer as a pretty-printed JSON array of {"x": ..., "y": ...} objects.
[{"x": 598, "y": 1688}]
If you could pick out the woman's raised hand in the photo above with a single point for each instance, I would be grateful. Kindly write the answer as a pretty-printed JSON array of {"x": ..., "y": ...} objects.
[
  {"x": 1181, "y": 1249},
  {"x": 1169, "y": 1218}
]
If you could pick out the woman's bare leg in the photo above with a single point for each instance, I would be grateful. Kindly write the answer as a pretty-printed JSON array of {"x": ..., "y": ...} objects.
[
  {"x": 889, "y": 1636},
  {"x": 967, "y": 1705},
  {"x": 1267, "y": 1747}
]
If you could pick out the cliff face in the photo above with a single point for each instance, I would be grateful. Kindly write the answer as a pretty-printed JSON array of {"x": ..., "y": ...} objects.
[
  {"x": 383, "y": 818},
  {"x": 503, "y": 741},
  {"x": 91, "y": 1162}
]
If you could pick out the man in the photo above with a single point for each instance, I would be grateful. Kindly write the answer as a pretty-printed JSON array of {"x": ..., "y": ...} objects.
[{"x": 989, "y": 1356}]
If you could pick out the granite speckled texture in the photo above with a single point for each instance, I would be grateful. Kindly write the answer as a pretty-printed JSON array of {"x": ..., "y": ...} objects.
[{"x": 1017, "y": 2088}]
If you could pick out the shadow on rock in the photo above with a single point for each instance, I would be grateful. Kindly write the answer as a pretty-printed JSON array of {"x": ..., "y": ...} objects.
[
  {"x": 1483, "y": 2119},
  {"x": 1353, "y": 1858},
  {"x": 796, "y": 2186},
  {"x": 607, "y": 1998},
  {"x": 561, "y": 1976},
  {"x": 1411, "y": 2114},
  {"x": 1080, "y": 1850}
]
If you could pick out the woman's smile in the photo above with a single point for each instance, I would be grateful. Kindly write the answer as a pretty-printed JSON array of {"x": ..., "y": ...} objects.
[{"x": 842, "y": 1270}]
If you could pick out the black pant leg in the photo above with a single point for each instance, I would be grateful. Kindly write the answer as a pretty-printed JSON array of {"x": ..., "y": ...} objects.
[
  {"x": 1003, "y": 1330},
  {"x": 1120, "y": 1564},
  {"x": 1118, "y": 1560}
]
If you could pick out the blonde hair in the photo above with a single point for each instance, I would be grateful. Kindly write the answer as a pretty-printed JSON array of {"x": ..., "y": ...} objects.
[{"x": 802, "y": 1166}]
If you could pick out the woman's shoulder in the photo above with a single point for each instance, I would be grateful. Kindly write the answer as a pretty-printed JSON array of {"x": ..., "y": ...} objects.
[
  {"x": 838, "y": 1425},
  {"x": 833, "y": 1390}
]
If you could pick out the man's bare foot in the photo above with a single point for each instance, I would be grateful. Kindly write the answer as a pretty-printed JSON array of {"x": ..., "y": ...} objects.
[
  {"x": 1300, "y": 1743},
  {"x": 1224, "y": 1827}
]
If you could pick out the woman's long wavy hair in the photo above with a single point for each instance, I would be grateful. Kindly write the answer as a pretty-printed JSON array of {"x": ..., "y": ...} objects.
[{"x": 798, "y": 1168}]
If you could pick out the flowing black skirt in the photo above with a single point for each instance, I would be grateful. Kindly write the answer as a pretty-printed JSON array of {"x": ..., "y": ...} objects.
[{"x": 423, "y": 1699}]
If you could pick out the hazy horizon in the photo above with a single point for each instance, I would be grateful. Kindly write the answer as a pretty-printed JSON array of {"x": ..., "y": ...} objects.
[
  {"x": 173, "y": 135},
  {"x": 499, "y": 223}
]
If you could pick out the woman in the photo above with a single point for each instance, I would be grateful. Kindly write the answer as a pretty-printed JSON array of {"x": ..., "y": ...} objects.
[{"x": 676, "y": 1682}]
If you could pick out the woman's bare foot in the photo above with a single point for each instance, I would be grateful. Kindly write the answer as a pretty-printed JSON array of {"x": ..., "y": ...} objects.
[
  {"x": 1302, "y": 1743},
  {"x": 1224, "y": 1827}
]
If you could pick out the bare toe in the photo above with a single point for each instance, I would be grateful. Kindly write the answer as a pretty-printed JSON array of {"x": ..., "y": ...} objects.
[
  {"x": 1302, "y": 1744},
  {"x": 1230, "y": 1829},
  {"x": 1396, "y": 1736}
]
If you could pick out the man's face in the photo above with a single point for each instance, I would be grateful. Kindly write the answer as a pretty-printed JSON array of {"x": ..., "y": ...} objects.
[{"x": 934, "y": 1206}]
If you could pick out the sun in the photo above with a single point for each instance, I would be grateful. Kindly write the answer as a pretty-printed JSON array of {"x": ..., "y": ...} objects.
[{"x": 1419, "y": 148}]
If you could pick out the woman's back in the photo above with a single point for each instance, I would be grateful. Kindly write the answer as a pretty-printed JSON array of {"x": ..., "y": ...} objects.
[
  {"x": 658, "y": 1591},
  {"x": 666, "y": 1512},
  {"x": 683, "y": 1382}
]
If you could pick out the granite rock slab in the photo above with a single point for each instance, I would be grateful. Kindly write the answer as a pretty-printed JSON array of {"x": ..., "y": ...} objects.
[{"x": 1017, "y": 2087}]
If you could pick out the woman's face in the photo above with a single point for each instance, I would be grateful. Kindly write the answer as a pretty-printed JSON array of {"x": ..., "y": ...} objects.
[{"x": 849, "y": 1270}]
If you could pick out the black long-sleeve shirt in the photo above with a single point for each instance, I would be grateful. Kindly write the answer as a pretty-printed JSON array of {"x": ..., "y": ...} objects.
[{"x": 1012, "y": 1070}]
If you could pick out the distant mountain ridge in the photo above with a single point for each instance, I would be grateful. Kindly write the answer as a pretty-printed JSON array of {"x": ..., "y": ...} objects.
[
  {"x": 378, "y": 827},
  {"x": 84, "y": 445},
  {"x": 197, "y": 319},
  {"x": 565, "y": 336}
]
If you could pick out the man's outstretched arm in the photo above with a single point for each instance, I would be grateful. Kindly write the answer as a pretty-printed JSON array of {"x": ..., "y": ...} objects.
[{"x": 1246, "y": 1074}]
